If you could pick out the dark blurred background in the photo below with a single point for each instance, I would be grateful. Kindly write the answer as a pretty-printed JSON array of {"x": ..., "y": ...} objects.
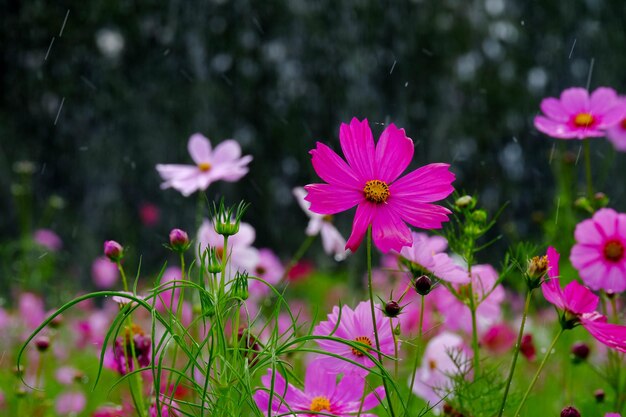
[{"x": 96, "y": 93}]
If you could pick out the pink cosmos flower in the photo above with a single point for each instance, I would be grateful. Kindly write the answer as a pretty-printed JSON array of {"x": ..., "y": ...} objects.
[
  {"x": 222, "y": 163},
  {"x": 457, "y": 314},
  {"x": 578, "y": 305},
  {"x": 354, "y": 325},
  {"x": 104, "y": 272},
  {"x": 242, "y": 256},
  {"x": 48, "y": 239},
  {"x": 577, "y": 115},
  {"x": 617, "y": 133},
  {"x": 332, "y": 241},
  {"x": 498, "y": 338},
  {"x": 433, "y": 378},
  {"x": 31, "y": 309},
  {"x": 600, "y": 251},
  {"x": 70, "y": 403},
  {"x": 369, "y": 180},
  {"x": 321, "y": 394},
  {"x": 270, "y": 269},
  {"x": 428, "y": 253}
]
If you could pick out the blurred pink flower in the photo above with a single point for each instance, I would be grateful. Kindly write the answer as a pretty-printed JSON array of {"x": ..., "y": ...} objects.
[
  {"x": 578, "y": 305},
  {"x": 109, "y": 411},
  {"x": 70, "y": 403},
  {"x": 617, "y": 133},
  {"x": 600, "y": 251},
  {"x": 104, "y": 273},
  {"x": 527, "y": 347},
  {"x": 242, "y": 256},
  {"x": 149, "y": 214},
  {"x": 48, "y": 239},
  {"x": 433, "y": 378},
  {"x": 168, "y": 408},
  {"x": 270, "y": 269},
  {"x": 457, "y": 314},
  {"x": 576, "y": 115},
  {"x": 370, "y": 181},
  {"x": 66, "y": 375},
  {"x": 301, "y": 270},
  {"x": 31, "y": 309},
  {"x": 332, "y": 241},
  {"x": 222, "y": 163},
  {"x": 321, "y": 394},
  {"x": 428, "y": 253},
  {"x": 353, "y": 325},
  {"x": 499, "y": 338}
]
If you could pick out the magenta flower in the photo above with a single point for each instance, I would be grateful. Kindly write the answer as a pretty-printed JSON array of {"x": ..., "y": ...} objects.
[
  {"x": 617, "y": 133},
  {"x": 369, "y": 180},
  {"x": 599, "y": 254},
  {"x": 576, "y": 115},
  {"x": 48, "y": 239},
  {"x": 104, "y": 272},
  {"x": 354, "y": 325},
  {"x": 222, "y": 163},
  {"x": 578, "y": 306},
  {"x": 321, "y": 394}
]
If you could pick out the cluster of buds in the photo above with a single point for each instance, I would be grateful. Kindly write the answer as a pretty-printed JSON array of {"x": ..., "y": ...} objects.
[{"x": 226, "y": 220}]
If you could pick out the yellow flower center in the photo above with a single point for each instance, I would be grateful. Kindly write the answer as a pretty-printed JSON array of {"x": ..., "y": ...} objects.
[
  {"x": 328, "y": 218},
  {"x": 361, "y": 339},
  {"x": 614, "y": 251},
  {"x": 376, "y": 191},
  {"x": 320, "y": 404},
  {"x": 432, "y": 364},
  {"x": 583, "y": 120},
  {"x": 204, "y": 166}
]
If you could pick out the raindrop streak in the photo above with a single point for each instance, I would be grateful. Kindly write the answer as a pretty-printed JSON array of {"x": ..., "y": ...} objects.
[
  {"x": 392, "y": 67},
  {"x": 578, "y": 156},
  {"x": 49, "y": 48},
  {"x": 572, "y": 50},
  {"x": 558, "y": 205},
  {"x": 552, "y": 153},
  {"x": 59, "y": 112},
  {"x": 64, "y": 22},
  {"x": 593, "y": 60}
]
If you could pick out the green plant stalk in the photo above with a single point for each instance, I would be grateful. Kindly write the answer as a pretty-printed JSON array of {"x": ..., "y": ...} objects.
[
  {"x": 516, "y": 351},
  {"x": 372, "y": 308},
  {"x": 417, "y": 354},
  {"x": 179, "y": 308},
  {"x": 475, "y": 347},
  {"x": 588, "y": 171},
  {"x": 223, "y": 271},
  {"x": 306, "y": 244},
  {"x": 534, "y": 380}
]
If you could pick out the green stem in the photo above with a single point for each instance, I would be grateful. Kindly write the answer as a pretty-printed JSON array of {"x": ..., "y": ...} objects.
[
  {"x": 179, "y": 308},
  {"x": 223, "y": 271},
  {"x": 475, "y": 347},
  {"x": 588, "y": 171},
  {"x": 534, "y": 380},
  {"x": 372, "y": 308},
  {"x": 417, "y": 354},
  {"x": 516, "y": 351}
]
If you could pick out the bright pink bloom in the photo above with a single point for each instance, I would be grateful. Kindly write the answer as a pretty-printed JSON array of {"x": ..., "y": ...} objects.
[
  {"x": 321, "y": 394},
  {"x": 104, "y": 273},
  {"x": 498, "y": 338},
  {"x": 600, "y": 251},
  {"x": 457, "y": 314},
  {"x": 48, "y": 239},
  {"x": 578, "y": 305},
  {"x": 428, "y": 252},
  {"x": 577, "y": 115},
  {"x": 70, "y": 403},
  {"x": 370, "y": 181},
  {"x": 354, "y": 325},
  {"x": 617, "y": 133},
  {"x": 332, "y": 241},
  {"x": 223, "y": 163},
  {"x": 433, "y": 378}
]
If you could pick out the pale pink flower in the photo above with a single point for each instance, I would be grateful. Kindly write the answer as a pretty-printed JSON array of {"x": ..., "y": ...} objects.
[
  {"x": 356, "y": 326},
  {"x": 321, "y": 394},
  {"x": 578, "y": 306},
  {"x": 66, "y": 375},
  {"x": 428, "y": 253},
  {"x": 600, "y": 251},
  {"x": 122, "y": 300},
  {"x": 270, "y": 269},
  {"x": 31, "y": 309},
  {"x": 433, "y": 377},
  {"x": 369, "y": 180},
  {"x": 104, "y": 273},
  {"x": 576, "y": 115},
  {"x": 457, "y": 314},
  {"x": 222, "y": 163},
  {"x": 617, "y": 133},
  {"x": 332, "y": 240},
  {"x": 70, "y": 403},
  {"x": 48, "y": 239},
  {"x": 241, "y": 255}
]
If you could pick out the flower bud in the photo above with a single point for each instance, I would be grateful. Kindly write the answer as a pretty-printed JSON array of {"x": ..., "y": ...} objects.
[
  {"x": 537, "y": 267},
  {"x": 479, "y": 216},
  {"x": 600, "y": 200},
  {"x": 423, "y": 285},
  {"x": 179, "y": 241},
  {"x": 212, "y": 261},
  {"x": 56, "y": 322},
  {"x": 226, "y": 220},
  {"x": 580, "y": 352},
  {"x": 599, "y": 395},
  {"x": 527, "y": 347},
  {"x": 570, "y": 412},
  {"x": 240, "y": 288},
  {"x": 465, "y": 201},
  {"x": 583, "y": 203},
  {"x": 392, "y": 309},
  {"x": 113, "y": 250},
  {"x": 42, "y": 343}
]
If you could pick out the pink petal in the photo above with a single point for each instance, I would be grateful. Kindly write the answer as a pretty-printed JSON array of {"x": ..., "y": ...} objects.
[
  {"x": 579, "y": 299},
  {"x": 551, "y": 287},
  {"x": 363, "y": 217},
  {"x": 349, "y": 390},
  {"x": 394, "y": 152},
  {"x": 422, "y": 215},
  {"x": 170, "y": 171},
  {"x": 331, "y": 199},
  {"x": 332, "y": 169},
  {"x": 553, "y": 263},
  {"x": 615, "y": 278},
  {"x": 612, "y": 335},
  {"x": 373, "y": 399},
  {"x": 575, "y": 100},
  {"x": 357, "y": 144},
  {"x": 389, "y": 232},
  {"x": 199, "y": 148},
  {"x": 602, "y": 100},
  {"x": 227, "y": 151},
  {"x": 555, "y": 129},
  {"x": 318, "y": 381},
  {"x": 617, "y": 136},
  {"x": 552, "y": 108},
  {"x": 429, "y": 183}
]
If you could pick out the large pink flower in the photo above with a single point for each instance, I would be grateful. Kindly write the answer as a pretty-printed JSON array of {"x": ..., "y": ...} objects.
[
  {"x": 321, "y": 394},
  {"x": 578, "y": 305},
  {"x": 354, "y": 325},
  {"x": 600, "y": 251},
  {"x": 576, "y": 115},
  {"x": 370, "y": 181},
  {"x": 222, "y": 163}
]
